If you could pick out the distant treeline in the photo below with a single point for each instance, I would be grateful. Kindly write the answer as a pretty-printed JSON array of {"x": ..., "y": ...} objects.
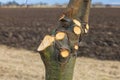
[{"x": 16, "y": 4}]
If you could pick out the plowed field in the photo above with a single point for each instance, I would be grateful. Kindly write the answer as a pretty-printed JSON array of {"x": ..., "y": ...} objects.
[{"x": 25, "y": 28}]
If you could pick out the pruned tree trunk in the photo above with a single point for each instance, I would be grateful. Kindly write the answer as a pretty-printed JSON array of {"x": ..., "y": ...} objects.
[{"x": 59, "y": 50}]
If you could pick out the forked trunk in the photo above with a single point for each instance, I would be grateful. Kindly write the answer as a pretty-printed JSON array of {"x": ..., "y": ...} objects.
[{"x": 59, "y": 50}]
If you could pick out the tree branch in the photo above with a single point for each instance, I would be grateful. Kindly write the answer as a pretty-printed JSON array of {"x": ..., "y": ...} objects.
[{"x": 78, "y": 9}]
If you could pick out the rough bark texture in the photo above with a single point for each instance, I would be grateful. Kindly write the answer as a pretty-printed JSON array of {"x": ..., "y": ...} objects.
[
  {"x": 79, "y": 9},
  {"x": 72, "y": 23}
]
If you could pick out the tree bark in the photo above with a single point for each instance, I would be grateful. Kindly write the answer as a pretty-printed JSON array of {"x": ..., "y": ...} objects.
[
  {"x": 79, "y": 9},
  {"x": 59, "y": 50}
]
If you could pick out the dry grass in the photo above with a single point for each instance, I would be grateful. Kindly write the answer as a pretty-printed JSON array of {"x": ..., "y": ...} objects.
[{"x": 19, "y": 64}]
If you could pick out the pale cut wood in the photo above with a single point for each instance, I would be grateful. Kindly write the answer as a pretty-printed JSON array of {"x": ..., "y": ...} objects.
[
  {"x": 86, "y": 31},
  {"x": 76, "y": 47},
  {"x": 60, "y": 36},
  {"x": 77, "y": 30},
  {"x": 87, "y": 26},
  {"x": 62, "y": 17},
  {"x": 77, "y": 22},
  {"x": 47, "y": 41},
  {"x": 64, "y": 53}
]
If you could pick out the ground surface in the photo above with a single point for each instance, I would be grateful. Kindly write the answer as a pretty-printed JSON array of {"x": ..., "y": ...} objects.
[
  {"x": 25, "y": 28},
  {"x": 19, "y": 64},
  {"x": 21, "y": 31}
]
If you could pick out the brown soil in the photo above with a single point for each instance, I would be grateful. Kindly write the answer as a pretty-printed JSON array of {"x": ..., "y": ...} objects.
[{"x": 25, "y": 28}]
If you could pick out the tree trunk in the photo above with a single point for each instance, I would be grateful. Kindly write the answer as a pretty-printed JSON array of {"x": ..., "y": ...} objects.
[{"x": 59, "y": 50}]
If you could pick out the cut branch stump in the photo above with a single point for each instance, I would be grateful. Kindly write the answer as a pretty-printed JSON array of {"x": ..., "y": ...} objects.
[{"x": 59, "y": 50}]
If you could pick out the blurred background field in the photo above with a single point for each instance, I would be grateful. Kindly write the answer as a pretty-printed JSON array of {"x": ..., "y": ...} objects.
[
  {"x": 21, "y": 64},
  {"x": 23, "y": 27},
  {"x": 26, "y": 27}
]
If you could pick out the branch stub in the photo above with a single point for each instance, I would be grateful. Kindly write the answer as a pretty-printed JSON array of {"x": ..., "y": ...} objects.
[{"x": 47, "y": 41}]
